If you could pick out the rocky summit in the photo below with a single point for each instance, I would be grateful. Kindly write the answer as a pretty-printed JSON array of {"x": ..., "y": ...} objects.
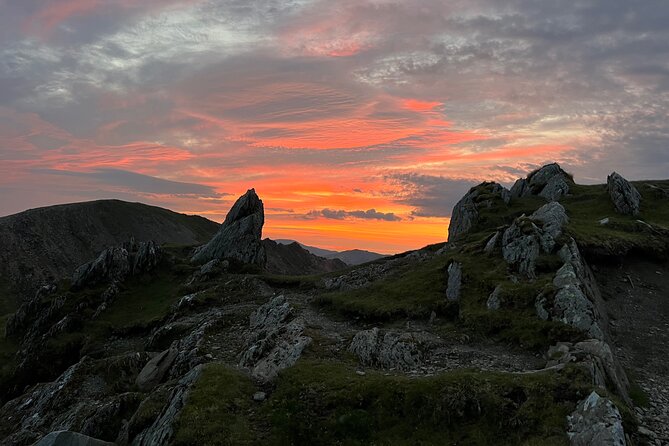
[{"x": 543, "y": 320}]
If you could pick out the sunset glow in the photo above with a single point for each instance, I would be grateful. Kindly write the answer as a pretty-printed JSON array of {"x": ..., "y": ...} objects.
[{"x": 359, "y": 123}]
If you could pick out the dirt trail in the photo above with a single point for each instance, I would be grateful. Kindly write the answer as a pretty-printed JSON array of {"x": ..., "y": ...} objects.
[{"x": 637, "y": 295}]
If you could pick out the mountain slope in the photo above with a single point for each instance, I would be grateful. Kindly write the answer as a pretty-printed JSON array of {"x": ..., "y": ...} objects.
[
  {"x": 350, "y": 257},
  {"x": 295, "y": 259},
  {"x": 48, "y": 243}
]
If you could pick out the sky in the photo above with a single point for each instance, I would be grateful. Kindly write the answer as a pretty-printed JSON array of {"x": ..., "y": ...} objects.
[{"x": 360, "y": 123}]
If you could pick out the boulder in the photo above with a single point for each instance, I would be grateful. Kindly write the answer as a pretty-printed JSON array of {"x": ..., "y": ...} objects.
[
  {"x": 68, "y": 438},
  {"x": 454, "y": 281},
  {"x": 625, "y": 197},
  {"x": 156, "y": 369},
  {"x": 572, "y": 307},
  {"x": 147, "y": 257},
  {"x": 393, "y": 350},
  {"x": 549, "y": 182},
  {"x": 466, "y": 212},
  {"x": 240, "y": 235},
  {"x": 552, "y": 217},
  {"x": 596, "y": 421},
  {"x": 493, "y": 242},
  {"x": 556, "y": 188}
]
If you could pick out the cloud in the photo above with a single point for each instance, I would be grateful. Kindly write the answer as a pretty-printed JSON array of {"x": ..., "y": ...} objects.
[
  {"x": 429, "y": 195},
  {"x": 338, "y": 214},
  {"x": 136, "y": 182}
]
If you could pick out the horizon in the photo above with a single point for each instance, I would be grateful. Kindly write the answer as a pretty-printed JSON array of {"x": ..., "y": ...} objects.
[{"x": 360, "y": 124}]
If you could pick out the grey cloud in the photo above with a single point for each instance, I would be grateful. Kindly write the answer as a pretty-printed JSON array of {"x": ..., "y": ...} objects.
[
  {"x": 136, "y": 182},
  {"x": 431, "y": 196},
  {"x": 338, "y": 214}
]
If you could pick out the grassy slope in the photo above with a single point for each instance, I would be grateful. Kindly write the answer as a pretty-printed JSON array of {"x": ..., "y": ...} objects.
[{"x": 323, "y": 403}]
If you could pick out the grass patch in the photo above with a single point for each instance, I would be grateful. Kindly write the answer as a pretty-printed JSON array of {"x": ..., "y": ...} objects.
[
  {"x": 322, "y": 402},
  {"x": 413, "y": 292},
  {"x": 218, "y": 408}
]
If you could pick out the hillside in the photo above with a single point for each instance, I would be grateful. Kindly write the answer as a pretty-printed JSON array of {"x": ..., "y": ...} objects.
[
  {"x": 542, "y": 321},
  {"x": 44, "y": 244}
]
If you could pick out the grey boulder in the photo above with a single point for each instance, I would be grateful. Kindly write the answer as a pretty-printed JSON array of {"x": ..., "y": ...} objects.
[
  {"x": 393, "y": 350},
  {"x": 625, "y": 197},
  {"x": 596, "y": 422},
  {"x": 466, "y": 212}
]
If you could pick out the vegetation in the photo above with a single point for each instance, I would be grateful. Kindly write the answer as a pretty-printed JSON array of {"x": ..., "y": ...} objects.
[
  {"x": 328, "y": 403},
  {"x": 218, "y": 410}
]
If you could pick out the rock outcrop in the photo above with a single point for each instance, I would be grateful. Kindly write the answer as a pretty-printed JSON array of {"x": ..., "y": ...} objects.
[
  {"x": 549, "y": 182},
  {"x": 604, "y": 367},
  {"x": 162, "y": 429},
  {"x": 596, "y": 421},
  {"x": 528, "y": 237},
  {"x": 466, "y": 212},
  {"x": 239, "y": 237},
  {"x": 275, "y": 341},
  {"x": 625, "y": 197},
  {"x": 117, "y": 263},
  {"x": 390, "y": 350}
]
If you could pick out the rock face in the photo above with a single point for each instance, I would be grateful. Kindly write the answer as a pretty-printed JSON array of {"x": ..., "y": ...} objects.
[
  {"x": 393, "y": 350},
  {"x": 466, "y": 211},
  {"x": 549, "y": 182},
  {"x": 67, "y": 438},
  {"x": 596, "y": 421},
  {"x": 156, "y": 369},
  {"x": 626, "y": 199},
  {"x": 239, "y": 237},
  {"x": 274, "y": 342},
  {"x": 527, "y": 237}
]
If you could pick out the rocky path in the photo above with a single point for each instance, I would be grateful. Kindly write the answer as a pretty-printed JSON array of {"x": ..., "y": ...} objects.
[{"x": 638, "y": 301}]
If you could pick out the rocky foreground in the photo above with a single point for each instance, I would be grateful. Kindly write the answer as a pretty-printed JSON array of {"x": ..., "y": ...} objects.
[{"x": 543, "y": 320}]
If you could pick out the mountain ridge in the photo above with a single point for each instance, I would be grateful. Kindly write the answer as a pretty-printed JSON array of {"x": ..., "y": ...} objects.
[{"x": 350, "y": 256}]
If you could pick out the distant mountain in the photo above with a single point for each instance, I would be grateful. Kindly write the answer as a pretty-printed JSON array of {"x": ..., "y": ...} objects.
[
  {"x": 48, "y": 243},
  {"x": 293, "y": 259},
  {"x": 350, "y": 257}
]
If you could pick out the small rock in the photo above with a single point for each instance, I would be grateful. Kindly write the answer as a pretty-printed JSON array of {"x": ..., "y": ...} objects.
[
  {"x": 259, "y": 396},
  {"x": 454, "y": 281},
  {"x": 626, "y": 199},
  {"x": 604, "y": 221},
  {"x": 360, "y": 373}
]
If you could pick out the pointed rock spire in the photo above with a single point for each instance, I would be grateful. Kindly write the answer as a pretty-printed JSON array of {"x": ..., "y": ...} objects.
[{"x": 240, "y": 233}]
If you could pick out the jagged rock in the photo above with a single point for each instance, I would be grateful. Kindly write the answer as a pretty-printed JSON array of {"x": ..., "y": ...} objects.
[
  {"x": 147, "y": 257},
  {"x": 596, "y": 421},
  {"x": 162, "y": 429},
  {"x": 275, "y": 342},
  {"x": 454, "y": 281},
  {"x": 493, "y": 302},
  {"x": 556, "y": 188},
  {"x": 189, "y": 346},
  {"x": 466, "y": 212},
  {"x": 111, "y": 264},
  {"x": 240, "y": 235},
  {"x": 626, "y": 198},
  {"x": 68, "y": 438},
  {"x": 524, "y": 240},
  {"x": 549, "y": 182},
  {"x": 27, "y": 312},
  {"x": 395, "y": 350},
  {"x": 156, "y": 369},
  {"x": 115, "y": 264}
]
